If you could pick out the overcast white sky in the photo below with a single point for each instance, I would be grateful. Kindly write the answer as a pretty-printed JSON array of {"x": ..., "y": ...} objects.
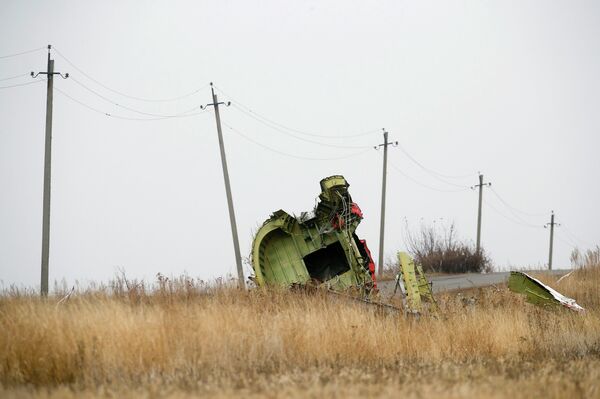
[{"x": 511, "y": 89}]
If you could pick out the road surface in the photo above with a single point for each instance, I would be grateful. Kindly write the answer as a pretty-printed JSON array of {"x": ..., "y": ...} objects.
[{"x": 464, "y": 281}]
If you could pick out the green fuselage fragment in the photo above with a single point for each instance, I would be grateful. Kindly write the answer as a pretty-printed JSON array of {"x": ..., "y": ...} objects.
[
  {"x": 319, "y": 247},
  {"x": 414, "y": 284},
  {"x": 539, "y": 293}
]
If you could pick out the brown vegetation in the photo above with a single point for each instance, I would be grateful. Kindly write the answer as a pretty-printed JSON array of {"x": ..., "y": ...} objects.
[
  {"x": 439, "y": 250},
  {"x": 182, "y": 339}
]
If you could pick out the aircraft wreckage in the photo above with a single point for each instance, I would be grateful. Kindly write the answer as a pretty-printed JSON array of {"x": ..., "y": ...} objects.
[
  {"x": 321, "y": 248},
  {"x": 318, "y": 247},
  {"x": 539, "y": 293}
]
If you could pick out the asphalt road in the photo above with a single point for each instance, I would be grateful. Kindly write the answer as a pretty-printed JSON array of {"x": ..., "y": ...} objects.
[{"x": 464, "y": 281}]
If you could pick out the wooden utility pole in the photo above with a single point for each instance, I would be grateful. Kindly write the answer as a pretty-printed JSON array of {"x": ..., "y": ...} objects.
[
  {"x": 383, "y": 189},
  {"x": 47, "y": 172},
  {"x": 480, "y": 185},
  {"x": 234, "y": 233},
  {"x": 551, "y": 224}
]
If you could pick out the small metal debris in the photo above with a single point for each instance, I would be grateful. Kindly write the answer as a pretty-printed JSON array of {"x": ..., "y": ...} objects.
[{"x": 414, "y": 285}]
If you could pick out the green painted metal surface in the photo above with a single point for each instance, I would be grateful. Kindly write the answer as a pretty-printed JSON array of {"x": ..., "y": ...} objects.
[
  {"x": 535, "y": 293},
  {"x": 416, "y": 286},
  {"x": 408, "y": 274},
  {"x": 538, "y": 293},
  {"x": 318, "y": 247}
]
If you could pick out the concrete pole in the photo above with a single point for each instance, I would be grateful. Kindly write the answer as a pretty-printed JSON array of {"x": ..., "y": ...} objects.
[
  {"x": 234, "y": 233},
  {"x": 479, "y": 212},
  {"x": 47, "y": 180},
  {"x": 383, "y": 187},
  {"x": 551, "y": 240}
]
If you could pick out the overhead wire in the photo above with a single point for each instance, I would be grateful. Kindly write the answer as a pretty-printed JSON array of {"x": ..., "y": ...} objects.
[
  {"x": 433, "y": 172},
  {"x": 14, "y": 77},
  {"x": 129, "y": 108},
  {"x": 296, "y": 136},
  {"x": 568, "y": 242},
  {"x": 120, "y": 116},
  {"x": 22, "y": 53},
  {"x": 510, "y": 208},
  {"x": 23, "y": 84},
  {"x": 397, "y": 169},
  {"x": 282, "y": 126},
  {"x": 525, "y": 224},
  {"x": 574, "y": 238},
  {"x": 236, "y": 131},
  {"x": 170, "y": 99},
  {"x": 519, "y": 220},
  {"x": 268, "y": 122}
]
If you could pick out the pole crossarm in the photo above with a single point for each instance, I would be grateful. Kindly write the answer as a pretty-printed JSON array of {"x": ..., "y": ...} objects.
[
  {"x": 48, "y": 72},
  {"x": 481, "y": 184},
  {"x": 65, "y": 76},
  {"x": 392, "y": 143},
  {"x": 214, "y": 103},
  {"x": 551, "y": 222}
]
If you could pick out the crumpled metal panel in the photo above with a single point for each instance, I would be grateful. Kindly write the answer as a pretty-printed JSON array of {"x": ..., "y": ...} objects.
[
  {"x": 539, "y": 293},
  {"x": 317, "y": 247}
]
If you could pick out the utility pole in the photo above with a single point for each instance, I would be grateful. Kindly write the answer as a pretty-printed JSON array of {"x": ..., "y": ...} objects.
[
  {"x": 480, "y": 185},
  {"x": 234, "y": 233},
  {"x": 551, "y": 224},
  {"x": 47, "y": 171},
  {"x": 383, "y": 188}
]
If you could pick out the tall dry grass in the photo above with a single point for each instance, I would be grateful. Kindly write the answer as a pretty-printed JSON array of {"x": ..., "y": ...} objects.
[{"x": 182, "y": 339}]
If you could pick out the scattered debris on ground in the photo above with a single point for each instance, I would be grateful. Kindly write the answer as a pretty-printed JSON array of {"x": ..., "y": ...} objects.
[
  {"x": 539, "y": 293},
  {"x": 321, "y": 248}
]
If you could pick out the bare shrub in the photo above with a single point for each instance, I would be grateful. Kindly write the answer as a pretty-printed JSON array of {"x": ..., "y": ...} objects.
[{"x": 438, "y": 250}]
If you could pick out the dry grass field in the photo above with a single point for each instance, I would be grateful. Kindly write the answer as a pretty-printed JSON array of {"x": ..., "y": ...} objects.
[{"x": 184, "y": 339}]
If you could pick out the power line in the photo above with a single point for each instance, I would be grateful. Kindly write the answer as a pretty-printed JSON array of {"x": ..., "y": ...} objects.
[
  {"x": 264, "y": 119},
  {"x": 567, "y": 241},
  {"x": 120, "y": 116},
  {"x": 23, "y": 84},
  {"x": 423, "y": 184},
  {"x": 22, "y": 53},
  {"x": 295, "y": 136},
  {"x": 574, "y": 238},
  {"x": 288, "y": 154},
  {"x": 433, "y": 172},
  {"x": 14, "y": 77},
  {"x": 127, "y": 95},
  {"x": 510, "y": 207},
  {"x": 487, "y": 203},
  {"x": 129, "y": 108}
]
